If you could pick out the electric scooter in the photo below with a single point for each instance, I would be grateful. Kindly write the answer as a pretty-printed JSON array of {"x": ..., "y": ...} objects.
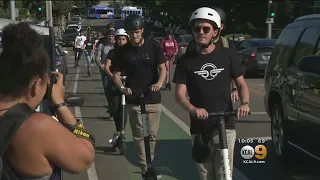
[
  {"x": 121, "y": 139},
  {"x": 225, "y": 161},
  {"x": 150, "y": 174}
]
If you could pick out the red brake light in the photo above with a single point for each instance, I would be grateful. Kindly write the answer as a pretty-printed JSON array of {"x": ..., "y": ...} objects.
[{"x": 253, "y": 54}]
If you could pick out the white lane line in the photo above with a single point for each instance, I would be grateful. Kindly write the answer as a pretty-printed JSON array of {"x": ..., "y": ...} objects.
[
  {"x": 238, "y": 175},
  {"x": 92, "y": 173}
]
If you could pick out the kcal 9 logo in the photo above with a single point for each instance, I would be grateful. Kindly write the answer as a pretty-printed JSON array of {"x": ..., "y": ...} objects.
[{"x": 259, "y": 151}]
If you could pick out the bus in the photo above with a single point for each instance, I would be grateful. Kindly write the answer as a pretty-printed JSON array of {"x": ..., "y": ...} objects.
[
  {"x": 101, "y": 12},
  {"x": 127, "y": 10}
]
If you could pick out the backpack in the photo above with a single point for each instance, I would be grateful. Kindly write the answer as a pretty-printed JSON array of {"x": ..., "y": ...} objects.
[
  {"x": 225, "y": 42},
  {"x": 10, "y": 123}
]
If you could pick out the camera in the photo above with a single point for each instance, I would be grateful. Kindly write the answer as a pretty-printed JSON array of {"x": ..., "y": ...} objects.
[
  {"x": 53, "y": 80},
  {"x": 46, "y": 105}
]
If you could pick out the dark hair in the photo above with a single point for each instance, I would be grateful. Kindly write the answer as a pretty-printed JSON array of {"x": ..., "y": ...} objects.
[
  {"x": 22, "y": 59},
  {"x": 111, "y": 25},
  {"x": 116, "y": 46}
]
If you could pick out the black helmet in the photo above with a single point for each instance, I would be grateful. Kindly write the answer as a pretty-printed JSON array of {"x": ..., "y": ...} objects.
[
  {"x": 133, "y": 22},
  {"x": 222, "y": 14},
  {"x": 201, "y": 150}
]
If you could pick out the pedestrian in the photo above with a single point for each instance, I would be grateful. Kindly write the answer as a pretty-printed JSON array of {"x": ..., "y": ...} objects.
[
  {"x": 205, "y": 75},
  {"x": 79, "y": 47},
  {"x": 102, "y": 50},
  {"x": 89, "y": 43},
  {"x": 144, "y": 64},
  {"x": 170, "y": 49},
  {"x": 122, "y": 38}
]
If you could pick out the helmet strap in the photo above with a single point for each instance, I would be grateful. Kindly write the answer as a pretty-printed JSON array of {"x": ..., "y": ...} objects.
[{"x": 213, "y": 40}]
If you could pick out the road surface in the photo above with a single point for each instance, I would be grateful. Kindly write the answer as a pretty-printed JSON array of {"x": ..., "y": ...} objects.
[{"x": 173, "y": 153}]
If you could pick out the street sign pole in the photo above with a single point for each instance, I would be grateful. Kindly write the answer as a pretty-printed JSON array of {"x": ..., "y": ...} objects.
[
  {"x": 269, "y": 22},
  {"x": 13, "y": 9}
]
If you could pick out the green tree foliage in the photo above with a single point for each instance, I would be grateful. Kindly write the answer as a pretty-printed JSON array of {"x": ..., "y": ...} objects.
[{"x": 85, "y": 4}]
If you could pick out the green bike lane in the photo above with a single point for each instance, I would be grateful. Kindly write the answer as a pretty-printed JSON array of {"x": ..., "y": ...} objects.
[{"x": 173, "y": 149}]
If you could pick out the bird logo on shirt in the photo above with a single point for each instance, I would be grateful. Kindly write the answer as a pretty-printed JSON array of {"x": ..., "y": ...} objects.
[{"x": 209, "y": 71}]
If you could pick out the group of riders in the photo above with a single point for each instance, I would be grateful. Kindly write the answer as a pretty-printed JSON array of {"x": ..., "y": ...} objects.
[
  {"x": 105, "y": 50},
  {"x": 145, "y": 63}
]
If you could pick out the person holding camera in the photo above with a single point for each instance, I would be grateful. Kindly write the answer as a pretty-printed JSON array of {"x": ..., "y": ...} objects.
[{"x": 33, "y": 144}]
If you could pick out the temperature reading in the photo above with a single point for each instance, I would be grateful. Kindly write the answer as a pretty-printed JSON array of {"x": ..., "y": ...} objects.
[{"x": 262, "y": 140}]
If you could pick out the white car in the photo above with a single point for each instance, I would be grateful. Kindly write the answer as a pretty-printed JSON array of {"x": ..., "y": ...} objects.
[{"x": 75, "y": 26}]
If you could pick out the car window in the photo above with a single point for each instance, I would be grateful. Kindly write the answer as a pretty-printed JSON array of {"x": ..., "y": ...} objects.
[
  {"x": 187, "y": 39},
  {"x": 284, "y": 46},
  {"x": 263, "y": 42},
  {"x": 71, "y": 30},
  {"x": 178, "y": 39},
  {"x": 243, "y": 45},
  {"x": 306, "y": 44}
]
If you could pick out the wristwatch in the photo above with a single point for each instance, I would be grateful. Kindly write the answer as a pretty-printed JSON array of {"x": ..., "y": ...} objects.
[
  {"x": 57, "y": 106},
  {"x": 245, "y": 103},
  {"x": 234, "y": 89}
]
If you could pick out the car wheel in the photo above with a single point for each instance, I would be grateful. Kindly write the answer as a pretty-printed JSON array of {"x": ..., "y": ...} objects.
[{"x": 279, "y": 134}]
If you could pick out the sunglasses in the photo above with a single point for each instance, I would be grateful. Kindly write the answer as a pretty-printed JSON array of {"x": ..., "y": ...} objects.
[{"x": 205, "y": 29}]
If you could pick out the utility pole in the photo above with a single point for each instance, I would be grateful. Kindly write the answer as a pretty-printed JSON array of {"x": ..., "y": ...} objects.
[
  {"x": 269, "y": 20},
  {"x": 49, "y": 13},
  {"x": 13, "y": 9}
]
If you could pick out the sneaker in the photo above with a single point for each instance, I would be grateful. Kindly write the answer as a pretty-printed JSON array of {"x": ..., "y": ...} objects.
[{"x": 114, "y": 139}]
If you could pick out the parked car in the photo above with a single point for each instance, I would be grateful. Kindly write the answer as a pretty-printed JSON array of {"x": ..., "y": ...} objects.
[
  {"x": 292, "y": 86},
  {"x": 183, "y": 41},
  {"x": 69, "y": 36},
  {"x": 255, "y": 54},
  {"x": 75, "y": 18},
  {"x": 74, "y": 22},
  {"x": 74, "y": 26}
]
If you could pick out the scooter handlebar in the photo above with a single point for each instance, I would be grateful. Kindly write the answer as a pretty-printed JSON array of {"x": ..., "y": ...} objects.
[
  {"x": 223, "y": 114},
  {"x": 226, "y": 113}
]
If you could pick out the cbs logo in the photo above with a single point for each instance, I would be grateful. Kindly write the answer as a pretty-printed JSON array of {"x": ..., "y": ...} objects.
[{"x": 259, "y": 151}]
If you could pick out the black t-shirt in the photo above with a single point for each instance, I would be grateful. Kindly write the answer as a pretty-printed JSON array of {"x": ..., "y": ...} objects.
[
  {"x": 111, "y": 56},
  {"x": 141, "y": 67},
  {"x": 206, "y": 88},
  {"x": 89, "y": 44}
]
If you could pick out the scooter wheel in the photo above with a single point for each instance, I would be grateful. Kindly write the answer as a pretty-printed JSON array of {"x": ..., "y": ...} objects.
[{"x": 122, "y": 148}]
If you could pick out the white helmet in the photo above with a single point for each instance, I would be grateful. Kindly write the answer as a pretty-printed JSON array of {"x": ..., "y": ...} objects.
[
  {"x": 121, "y": 32},
  {"x": 206, "y": 13}
]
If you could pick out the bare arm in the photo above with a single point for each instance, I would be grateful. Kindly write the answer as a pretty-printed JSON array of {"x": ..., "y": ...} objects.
[
  {"x": 181, "y": 97},
  {"x": 117, "y": 79},
  {"x": 233, "y": 84},
  {"x": 242, "y": 88},
  {"x": 98, "y": 54},
  {"x": 61, "y": 147},
  {"x": 163, "y": 73},
  {"x": 107, "y": 68}
]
